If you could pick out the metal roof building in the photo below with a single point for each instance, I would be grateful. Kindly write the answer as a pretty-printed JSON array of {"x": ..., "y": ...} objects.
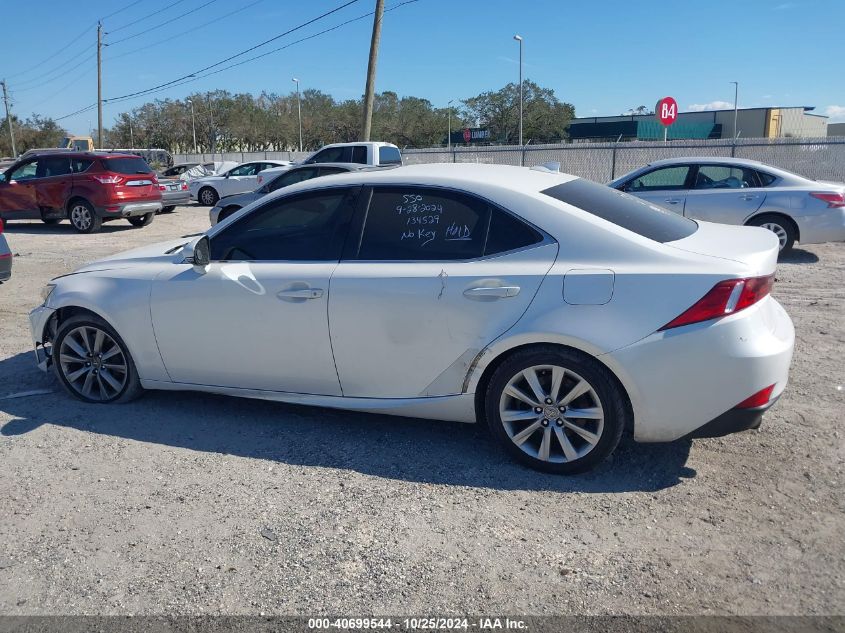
[{"x": 774, "y": 122}]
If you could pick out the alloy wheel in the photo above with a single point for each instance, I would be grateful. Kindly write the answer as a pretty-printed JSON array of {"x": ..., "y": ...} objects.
[
  {"x": 778, "y": 230},
  {"x": 551, "y": 413},
  {"x": 93, "y": 363},
  {"x": 81, "y": 217},
  {"x": 208, "y": 197}
]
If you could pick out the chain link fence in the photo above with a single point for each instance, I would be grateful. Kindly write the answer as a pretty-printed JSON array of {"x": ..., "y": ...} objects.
[{"x": 817, "y": 158}]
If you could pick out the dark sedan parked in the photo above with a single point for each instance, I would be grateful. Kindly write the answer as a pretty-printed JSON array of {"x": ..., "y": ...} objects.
[{"x": 228, "y": 205}]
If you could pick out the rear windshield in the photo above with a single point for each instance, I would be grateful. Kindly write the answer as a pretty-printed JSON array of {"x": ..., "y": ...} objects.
[
  {"x": 639, "y": 216},
  {"x": 128, "y": 165}
]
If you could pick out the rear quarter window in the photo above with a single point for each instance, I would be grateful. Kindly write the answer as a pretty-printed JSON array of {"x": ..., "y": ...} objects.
[
  {"x": 633, "y": 214},
  {"x": 129, "y": 165},
  {"x": 389, "y": 156}
]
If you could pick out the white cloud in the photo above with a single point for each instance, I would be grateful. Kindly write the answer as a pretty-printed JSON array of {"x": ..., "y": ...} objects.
[
  {"x": 836, "y": 113},
  {"x": 713, "y": 105}
]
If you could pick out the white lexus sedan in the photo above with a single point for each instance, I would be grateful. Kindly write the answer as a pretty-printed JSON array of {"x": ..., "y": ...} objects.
[{"x": 553, "y": 309}]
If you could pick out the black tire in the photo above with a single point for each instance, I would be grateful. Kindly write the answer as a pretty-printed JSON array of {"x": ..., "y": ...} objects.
[
  {"x": 225, "y": 213},
  {"x": 83, "y": 217},
  {"x": 130, "y": 385},
  {"x": 142, "y": 220},
  {"x": 605, "y": 433},
  {"x": 207, "y": 196},
  {"x": 781, "y": 226},
  {"x": 168, "y": 209}
]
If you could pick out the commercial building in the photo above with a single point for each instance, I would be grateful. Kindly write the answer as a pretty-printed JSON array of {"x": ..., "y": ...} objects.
[
  {"x": 836, "y": 129},
  {"x": 775, "y": 122}
]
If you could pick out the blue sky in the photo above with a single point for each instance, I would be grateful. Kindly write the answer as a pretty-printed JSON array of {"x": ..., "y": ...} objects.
[{"x": 604, "y": 57}]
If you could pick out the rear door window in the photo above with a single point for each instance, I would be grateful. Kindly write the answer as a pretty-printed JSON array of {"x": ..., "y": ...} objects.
[
  {"x": 359, "y": 154},
  {"x": 724, "y": 177},
  {"x": 128, "y": 165},
  {"x": 78, "y": 165},
  {"x": 629, "y": 212},
  {"x": 49, "y": 166}
]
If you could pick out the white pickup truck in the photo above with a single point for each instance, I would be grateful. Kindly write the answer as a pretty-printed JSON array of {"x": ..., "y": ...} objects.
[{"x": 373, "y": 153}]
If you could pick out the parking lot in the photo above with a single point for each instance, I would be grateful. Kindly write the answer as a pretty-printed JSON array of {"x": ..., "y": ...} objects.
[{"x": 193, "y": 503}]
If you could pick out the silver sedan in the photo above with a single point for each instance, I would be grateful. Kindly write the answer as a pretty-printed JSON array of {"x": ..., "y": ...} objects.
[{"x": 738, "y": 191}]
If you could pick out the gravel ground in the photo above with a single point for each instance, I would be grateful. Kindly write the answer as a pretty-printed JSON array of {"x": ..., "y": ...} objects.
[{"x": 190, "y": 503}]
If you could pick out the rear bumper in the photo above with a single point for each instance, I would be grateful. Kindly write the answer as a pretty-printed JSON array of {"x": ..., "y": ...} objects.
[
  {"x": 823, "y": 227},
  {"x": 733, "y": 421},
  {"x": 128, "y": 210},
  {"x": 175, "y": 198},
  {"x": 683, "y": 379}
]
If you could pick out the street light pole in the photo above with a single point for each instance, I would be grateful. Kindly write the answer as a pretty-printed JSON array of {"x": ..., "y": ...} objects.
[
  {"x": 193, "y": 125},
  {"x": 736, "y": 94},
  {"x": 449, "y": 134},
  {"x": 298, "y": 111},
  {"x": 518, "y": 38}
]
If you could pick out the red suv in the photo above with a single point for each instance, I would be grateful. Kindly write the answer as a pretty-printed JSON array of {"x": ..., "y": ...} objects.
[{"x": 86, "y": 188}]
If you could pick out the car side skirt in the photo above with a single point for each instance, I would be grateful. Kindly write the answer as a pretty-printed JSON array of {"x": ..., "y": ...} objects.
[{"x": 456, "y": 408}]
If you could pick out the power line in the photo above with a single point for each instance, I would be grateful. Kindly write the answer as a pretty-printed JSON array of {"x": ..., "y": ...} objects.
[
  {"x": 144, "y": 18},
  {"x": 180, "y": 33},
  {"x": 158, "y": 26},
  {"x": 265, "y": 54},
  {"x": 61, "y": 75},
  {"x": 61, "y": 50},
  {"x": 230, "y": 58},
  {"x": 128, "y": 6}
]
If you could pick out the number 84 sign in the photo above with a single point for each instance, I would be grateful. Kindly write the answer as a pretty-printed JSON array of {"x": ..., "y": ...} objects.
[{"x": 666, "y": 110}]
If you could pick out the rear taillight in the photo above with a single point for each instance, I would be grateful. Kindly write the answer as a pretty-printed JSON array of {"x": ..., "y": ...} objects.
[
  {"x": 108, "y": 179},
  {"x": 834, "y": 200},
  {"x": 759, "y": 399},
  {"x": 184, "y": 186},
  {"x": 726, "y": 297},
  {"x": 162, "y": 188},
  {"x": 1, "y": 225}
]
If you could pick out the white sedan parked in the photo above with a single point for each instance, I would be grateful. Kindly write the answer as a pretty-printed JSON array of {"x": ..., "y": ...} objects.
[
  {"x": 738, "y": 191},
  {"x": 555, "y": 310},
  {"x": 209, "y": 189}
]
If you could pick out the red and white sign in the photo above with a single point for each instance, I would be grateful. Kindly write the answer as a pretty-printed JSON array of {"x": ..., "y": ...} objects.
[
  {"x": 467, "y": 135},
  {"x": 667, "y": 110}
]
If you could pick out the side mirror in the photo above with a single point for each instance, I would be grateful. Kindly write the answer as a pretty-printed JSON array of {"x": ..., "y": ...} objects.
[{"x": 198, "y": 253}]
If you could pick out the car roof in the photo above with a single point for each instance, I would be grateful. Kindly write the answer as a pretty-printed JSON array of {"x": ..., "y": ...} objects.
[
  {"x": 708, "y": 160},
  {"x": 374, "y": 143},
  {"x": 466, "y": 176}
]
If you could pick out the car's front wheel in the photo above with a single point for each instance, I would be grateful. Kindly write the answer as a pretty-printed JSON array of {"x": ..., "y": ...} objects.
[
  {"x": 208, "y": 196},
  {"x": 555, "y": 409},
  {"x": 92, "y": 362},
  {"x": 83, "y": 217}
]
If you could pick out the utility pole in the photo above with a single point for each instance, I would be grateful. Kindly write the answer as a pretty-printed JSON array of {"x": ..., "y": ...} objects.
[
  {"x": 518, "y": 38},
  {"x": 131, "y": 135},
  {"x": 298, "y": 111},
  {"x": 100, "y": 85},
  {"x": 371, "y": 71},
  {"x": 449, "y": 133},
  {"x": 193, "y": 125},
  {"x": 9, "y": 119}
]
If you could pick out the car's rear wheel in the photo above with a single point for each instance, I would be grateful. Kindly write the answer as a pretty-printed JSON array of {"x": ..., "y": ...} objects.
[
  {"x": 83, "y": 218},
  {"x": 168, "y": 209},
  {"x": 781, "y": 226},
  {"x": 92, "y": 362},
  {"x": 555, "y": 410},
  {"x": 142, "y": 220},
  {"x": 208, "y": 196}
]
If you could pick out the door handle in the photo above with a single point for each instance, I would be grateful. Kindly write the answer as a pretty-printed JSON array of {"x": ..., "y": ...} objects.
[
  {"x": 749, "y": 196},
  {"x": 672, "y": 200},
  {"x": 492, "y": 291},
  {"x": 301, "y": 293}
]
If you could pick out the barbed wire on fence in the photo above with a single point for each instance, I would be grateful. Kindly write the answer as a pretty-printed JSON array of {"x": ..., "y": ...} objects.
[{"x": 817, "y": 158}]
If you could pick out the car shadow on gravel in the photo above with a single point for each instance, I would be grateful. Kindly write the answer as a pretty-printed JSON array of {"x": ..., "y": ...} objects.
[
  {"x": 798, "y": 256},
  {"x": 447, "y": 453},
  {"x": 64, "y": 227}
]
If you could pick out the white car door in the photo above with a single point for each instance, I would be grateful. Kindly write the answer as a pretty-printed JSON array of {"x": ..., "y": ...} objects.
[
  {"x": 436, "y": 277},
  {"x": 241, "y": 179},
  {"x": 724, "y": 193},
  {"x": 665, "y": 186},
  {"x": 257, "y": 318}
]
